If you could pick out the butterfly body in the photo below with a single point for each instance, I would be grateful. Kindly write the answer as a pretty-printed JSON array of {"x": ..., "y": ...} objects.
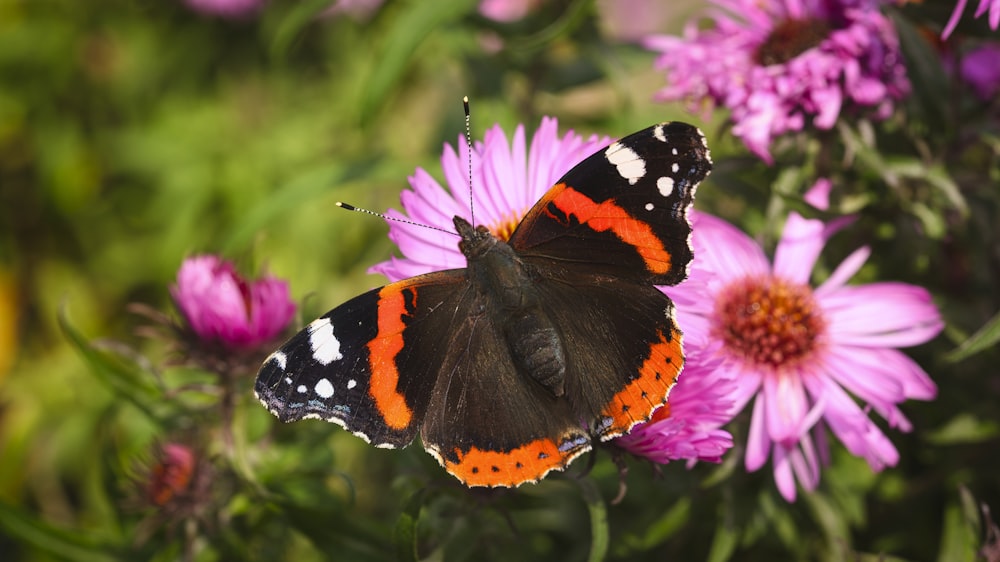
[{"x": 513, "y": 366}]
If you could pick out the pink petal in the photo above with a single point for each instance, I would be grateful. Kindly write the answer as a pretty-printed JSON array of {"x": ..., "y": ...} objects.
[
  {"x": 786, "y": 407},
  {"x": 847, "y": 268},
  {"x": 722, "y": 248},
  {"x": 758, "y": 442},
  {"x": 783, "y": 476},
  {"x": 880, "y": 315}
]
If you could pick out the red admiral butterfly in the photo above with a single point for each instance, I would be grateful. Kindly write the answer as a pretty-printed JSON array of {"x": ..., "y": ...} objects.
[{"x": 511, "y": 367}]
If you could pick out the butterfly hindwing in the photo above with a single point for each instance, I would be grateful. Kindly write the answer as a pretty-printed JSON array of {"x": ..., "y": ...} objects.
[
  {"x": 487, "y": 423},
  {"x": 362, "y": 366},
  {"x": 622, "y": 211},
  {"x": 624, "y": 350}
]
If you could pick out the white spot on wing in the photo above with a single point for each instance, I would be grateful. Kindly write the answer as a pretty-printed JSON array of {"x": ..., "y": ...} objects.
[
  {"x": 675, "y": 168},
  {"x": 630, "y": 165},
  {"x": 301, "y": 389},
  {"x": 325, "y": 346},
  {"x": 351, "y": 384},
  {"x": 323, "y": 388},
  {"x": 658, "y": 133},
  {"x": 280, "y": 358},
  {"x": 665, "y": 185},
  {"x": 288, "y": 380},
  {"x": 649, "y": 206}
]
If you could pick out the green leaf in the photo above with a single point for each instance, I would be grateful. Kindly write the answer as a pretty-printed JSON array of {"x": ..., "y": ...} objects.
[
  {"x": 47, "y": 538},
  {"x": 302, "y": 13},
  {"x": 963, "y": 429},
  {"x": 985, "y": 338},
  {"x": 723, "y": 542},
  {"x": 599, "y": 532},
  {"x": 663, "y": 528},
  {"x": 307, "y": 187},
  {"x": 404, "y": 536},
  {"x": 961, "y": 528},
  {"x": 127, "y": 381},
  {"x": 413, "y": 24},
  {"x": 925, "y": 71}
]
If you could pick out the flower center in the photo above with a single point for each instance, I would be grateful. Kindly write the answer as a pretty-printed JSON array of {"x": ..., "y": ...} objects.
[
  {"x": 768, "y": 321},
  {"x": 506, "y": 226},
  {"x": 791, "y": 38}
]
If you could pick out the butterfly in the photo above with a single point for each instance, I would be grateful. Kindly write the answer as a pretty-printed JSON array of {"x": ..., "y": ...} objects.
[{"x": 515, "y": 365}]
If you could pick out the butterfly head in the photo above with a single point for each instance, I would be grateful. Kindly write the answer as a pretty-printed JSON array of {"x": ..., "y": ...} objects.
[{"x": 476, "y": 240}]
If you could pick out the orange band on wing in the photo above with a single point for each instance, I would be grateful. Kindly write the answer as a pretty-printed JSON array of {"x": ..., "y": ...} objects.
[
  {"x": 382, "y": 351},
  {"x": 648, "y": 391},
  {"x": 609, "y": 216},
  {"x": 528, "y": 463}
]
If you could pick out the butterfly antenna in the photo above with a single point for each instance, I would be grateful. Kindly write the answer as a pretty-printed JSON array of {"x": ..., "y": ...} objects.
[
  {"x": 349, "y": 207},
  {"x": 468, "y": 143}
]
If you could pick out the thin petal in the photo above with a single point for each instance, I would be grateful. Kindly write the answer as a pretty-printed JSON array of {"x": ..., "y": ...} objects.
[
  {"x": 847, "y": 268},
  {"x": 786, "y": 408},
  {"x": 758, "y": 443},
  {"x": 783, "y": 476}
]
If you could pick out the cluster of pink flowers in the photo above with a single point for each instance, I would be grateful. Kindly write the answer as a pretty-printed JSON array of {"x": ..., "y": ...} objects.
[
  {"x": 753, "y": 331},
  {"x": 780, "y": 66}
]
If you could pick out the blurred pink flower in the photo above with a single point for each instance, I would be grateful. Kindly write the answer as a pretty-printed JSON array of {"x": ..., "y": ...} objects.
[
  {"x": 171, "y": 474},
  {"x": 778, "y": 65},
  {"x": 507, "y": 179},
  {"x": 222, "y": 307},
  {"x": 805, "y": 356},
  {"x": 507, "y": 11},
  {"x": 688, "y": 426},
  {"x": 991, "y": 6},
  {"x": 358, "y": 9},
  {"x": 980, "y": 68},
  {"x": 226, "y": 8}
]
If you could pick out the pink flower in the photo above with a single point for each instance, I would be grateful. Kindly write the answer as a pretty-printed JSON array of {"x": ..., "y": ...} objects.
[
  {"x": 506, "y": 11},
  {"x": 222, "y": 307},
  {"x": 778, "y": 65},
  {"x": 226, "y": 8},
  {"x": 992, "y": 6},
  {"x": 688, "y": 426},
  {"x": 980, "y": 69},
  {"x": 507, "y": 179},
  {"x": 171, "y": 474},
  {"x": 804, "y": 355}
]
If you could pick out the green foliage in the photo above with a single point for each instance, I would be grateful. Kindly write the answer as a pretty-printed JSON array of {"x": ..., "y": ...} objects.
[{"x": 134, "y": 134}]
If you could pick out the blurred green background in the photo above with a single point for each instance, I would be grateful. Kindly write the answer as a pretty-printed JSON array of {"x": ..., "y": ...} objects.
[{"x": 136, "y": 133}]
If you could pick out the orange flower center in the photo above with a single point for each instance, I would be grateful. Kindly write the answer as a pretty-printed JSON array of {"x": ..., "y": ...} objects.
[
  {"x": 506, "y": 226},
  {"x": 768, "y": 322},
  {"x": 789, "y": 39}
]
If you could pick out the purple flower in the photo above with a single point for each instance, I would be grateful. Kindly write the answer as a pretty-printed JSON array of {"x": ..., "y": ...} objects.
[
  {"x": 805, "y": 355},
  {"x": 507, "y": 179},
  {"x": 780, "y": 64},
  {"x": 688, "y": 426},
  {"x": 980, "y": 69},
  {"x": 222, "y": 307},
  {"x": 992, "y": 6},
  {"x": 226, "y": 8}
]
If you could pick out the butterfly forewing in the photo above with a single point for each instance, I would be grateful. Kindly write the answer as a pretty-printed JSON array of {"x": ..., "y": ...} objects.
[
  {"x": 361, "y": 367},
  {"x": 622, "y": 211}
]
